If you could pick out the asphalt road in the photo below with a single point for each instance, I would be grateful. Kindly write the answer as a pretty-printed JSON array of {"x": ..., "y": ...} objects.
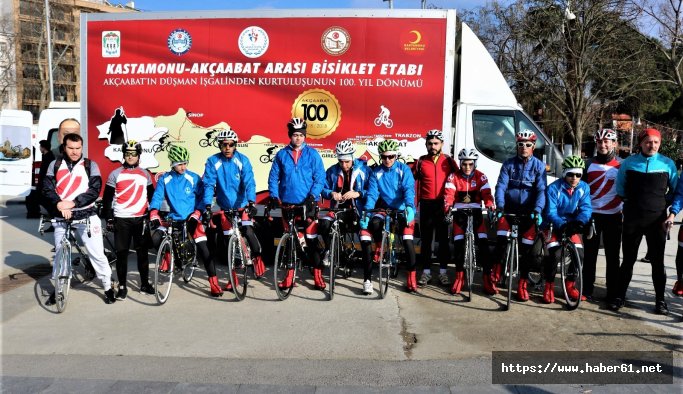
[{"x": 429, "y": 342}]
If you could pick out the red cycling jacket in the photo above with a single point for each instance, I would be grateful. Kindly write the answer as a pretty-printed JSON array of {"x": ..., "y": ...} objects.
[
  {"x": 467, "y": 192},
  {"x": 431, "y": 176}
]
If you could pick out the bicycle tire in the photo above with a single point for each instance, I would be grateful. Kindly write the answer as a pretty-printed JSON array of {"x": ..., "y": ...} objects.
[
  {"x": 264, "y": 159},
  {"x": 470, "y": 259},
  {"x": 509, "y": 270},
  {"x": 571, "y": 268},
  {"x": 190, "y": 267},
  {"x": 62, "y": 281},
  {"x": 203, "y": 143},
  {"x": 163, "y": 280},
  {"x": 384, "y": 266},
  {"x": 237, "y": 267},
  {"x": 331, "y": 270},
  {"x": 284, "y": 260}
]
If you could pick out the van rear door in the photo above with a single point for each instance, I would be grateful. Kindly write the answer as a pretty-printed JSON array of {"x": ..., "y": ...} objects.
[{"x": 16, "y": 152}]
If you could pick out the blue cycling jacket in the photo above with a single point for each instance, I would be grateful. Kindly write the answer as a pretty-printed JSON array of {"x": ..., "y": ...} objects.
[
  {"x": 677, "y": 202},
  {"x": 394, "y": 186},
  {"x": 292, "y": 181},
  {"x": 562, "y": 207},
  {"x": 645, "y": 183},
  {"x": 359, "y": 183},
  {"x": 182, "y": 192},
  {"x": 521, "y": 186},
  {"x": 233, "y": 180}
]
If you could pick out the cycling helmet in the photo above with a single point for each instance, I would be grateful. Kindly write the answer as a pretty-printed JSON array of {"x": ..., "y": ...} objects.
[
  {"x": 605, "y": 133},
  {"x": 468, "y": 154},
  {"x": 344, "y": 150},
  {"x": 296, "y": 125},
  {"x": 573, "y": 163},
  {"x": 178, "y": 155},
  {"x": 526, "y": 135},
  {"x": 434, "y": 133},
  {"x": 224, "y": 135},
  {"x": 132, "y": 146},
  {"x": 388, "y": 146}
]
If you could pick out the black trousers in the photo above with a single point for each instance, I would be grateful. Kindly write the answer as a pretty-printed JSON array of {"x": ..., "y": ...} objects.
[
  {"x": 127, "y": 229},
  {"x": 637, "y": 225},
  {"x": 609, "y": 226},
  {"x": 431, "y": 219}
]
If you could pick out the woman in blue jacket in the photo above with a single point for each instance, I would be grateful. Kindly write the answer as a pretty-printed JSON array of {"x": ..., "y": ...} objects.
[{"x": 568, "y": 208}]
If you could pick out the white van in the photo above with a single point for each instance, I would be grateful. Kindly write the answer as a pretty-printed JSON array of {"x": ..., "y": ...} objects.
[{"x": 16, "y": 152}]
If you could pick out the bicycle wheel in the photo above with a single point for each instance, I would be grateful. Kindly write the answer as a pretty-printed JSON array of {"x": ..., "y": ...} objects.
[
  {"x": 470, "y": 259},
  {"x": 237, "y": 267},
  {"x": 191, "y": 262},
  {"x": 571, "y": 269},
  {"x": 510, "y": 258},
  {"x": 204, "y": 143},
  {"x": 331, "y": 270},
  {"x": 384, "y": 266},
  {"x": 62, "y": 281},
  {"x": 284, "y": 261},
  {"x": 163, "y": 271}
]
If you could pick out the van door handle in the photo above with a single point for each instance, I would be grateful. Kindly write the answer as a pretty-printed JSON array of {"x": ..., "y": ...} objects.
[{"x": 3, "y": 170}]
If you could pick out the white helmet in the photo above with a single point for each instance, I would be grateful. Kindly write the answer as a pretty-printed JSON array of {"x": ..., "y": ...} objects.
[
  {"x": 226, "y": 135},
  {"x": 605, "y": 133},
  {"x": 468, "y": 154},
  {"x": 344, "y": 150},
  {"x": 434, "y": 133}
]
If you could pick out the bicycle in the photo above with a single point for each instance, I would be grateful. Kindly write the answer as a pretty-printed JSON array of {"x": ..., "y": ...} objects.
[
  {"x": 64, "y": 266},
  {"x": 470, "y": 263},
  {"x": 511, "y": 267},
  {"x": 209, "y": 140},
  {"x": 389, "y": 248},
  {"x": 239, "y": 255},
  {"x": 339, "y": 246},
  {"x": 570, "y": 266},
  {"x": 162, "y": 145},
  {"x": 176, "y": 244},
  {"x": 269, "y": 155},
  {"x": 288, "y": 249}
]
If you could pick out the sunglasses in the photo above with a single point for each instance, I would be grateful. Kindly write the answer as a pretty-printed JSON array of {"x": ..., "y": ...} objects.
[
  {"x": 130, "y": 154},
  {"x": 227, "y": 144},
  {"x": 388, "y": 157},
  {"x": 525, "y": 144},
  {"x": 574, "y": 175}
]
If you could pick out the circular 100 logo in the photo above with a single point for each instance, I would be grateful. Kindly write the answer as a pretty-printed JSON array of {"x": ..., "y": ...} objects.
[{"x": 321, "y": 111}]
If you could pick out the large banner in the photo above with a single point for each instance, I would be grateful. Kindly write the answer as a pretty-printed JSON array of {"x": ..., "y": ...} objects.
[{"x": 180, "y": 81}]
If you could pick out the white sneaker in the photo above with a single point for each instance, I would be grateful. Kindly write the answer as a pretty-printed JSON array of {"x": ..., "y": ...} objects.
[
  {"x": 424, "y": 279},
  {"x": 443, "y": 278},
  {"x": 367, "y": 287}
]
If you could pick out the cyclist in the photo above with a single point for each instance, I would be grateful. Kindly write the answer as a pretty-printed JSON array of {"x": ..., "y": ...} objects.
[
  {"x": 468, "y": 188},
  {"x": 230, "y": 175},
  {"x": 391, "y": 185},
  {"x": 642, "y": 183},
  {"x": 296, "y": 178},
  {"x": 125, "y": 201},
  {"x": 71, "y": 186},
  {"x": 675, "y": 208},
  {"x": 568, "y": 209},
  {"x": 520, "y": 190},
  {"x": 345, "y": 186},
  {"x": 431, "y": 172},
  {"x": 183, "y": 191},
  {"x": 601, "y": 176}
]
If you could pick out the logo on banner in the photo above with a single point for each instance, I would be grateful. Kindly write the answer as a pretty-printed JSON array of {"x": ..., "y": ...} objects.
[
  {"x": 335, "y": 40},
  {"x": 111, "y": 43},
  {"x": 179, "y": 41},
  {"x": 413, "y": 42},
  {"x": 321, "y": 111},
  {"x": 383, "y": 118},
  {"x": 253, "y": 42}
]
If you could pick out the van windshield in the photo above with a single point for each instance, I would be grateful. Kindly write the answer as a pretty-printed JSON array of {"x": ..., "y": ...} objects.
[{"x": 494, "y": 137}]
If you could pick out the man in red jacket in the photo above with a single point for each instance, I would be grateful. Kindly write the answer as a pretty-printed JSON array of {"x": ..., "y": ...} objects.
[{"x": 431, "y": 172}]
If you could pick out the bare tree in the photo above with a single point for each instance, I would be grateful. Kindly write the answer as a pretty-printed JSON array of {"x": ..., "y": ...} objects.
[
  {"x": 8, "y": 76},
  {"x": 573, "y": 58}
]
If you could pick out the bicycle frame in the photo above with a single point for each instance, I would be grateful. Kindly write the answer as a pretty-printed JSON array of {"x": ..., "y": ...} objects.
[
  {"x": 388, "y": 261},
  {"x": 293, "y": 261},
  {"x": 470, "y": 247},
  {"x": 238, "y": 264},
  {"x": 176, "y": 238}
]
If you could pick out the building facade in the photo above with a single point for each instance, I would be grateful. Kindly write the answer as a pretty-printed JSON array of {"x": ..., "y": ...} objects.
[{"x": 26, "y": 41}]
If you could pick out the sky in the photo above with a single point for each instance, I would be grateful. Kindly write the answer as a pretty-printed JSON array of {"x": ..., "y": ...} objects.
[{"x": 174, "y": 5}]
